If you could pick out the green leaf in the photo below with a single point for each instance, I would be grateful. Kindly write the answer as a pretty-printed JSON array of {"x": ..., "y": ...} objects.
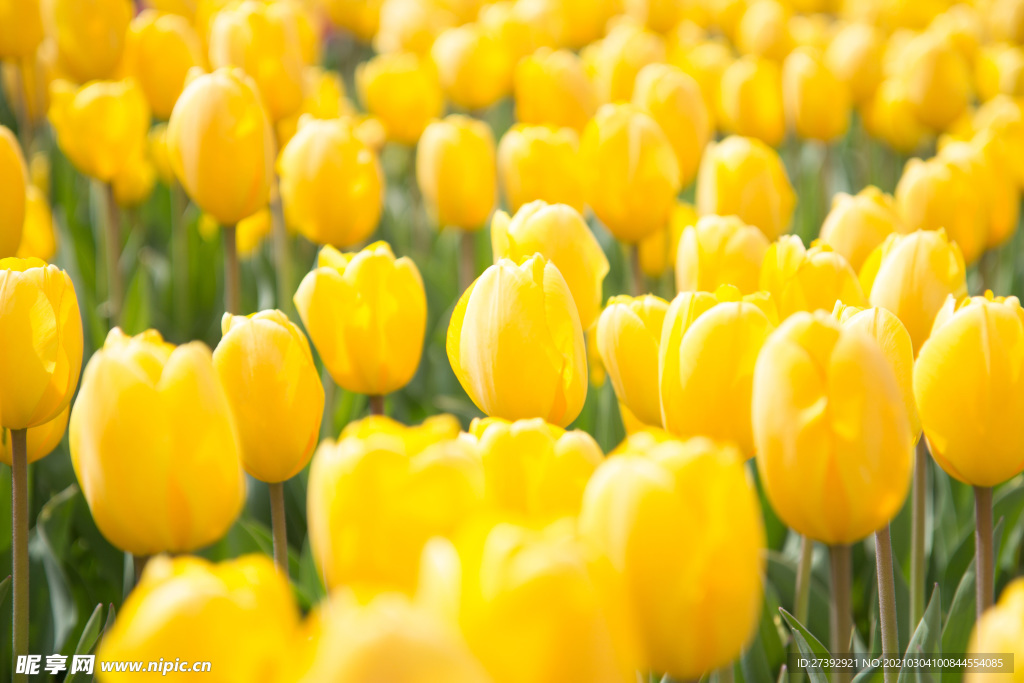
[
  {"x": 5, "y": 588},
  {"x": 870, "y": 675},
  {"x": 111, "y": 616},
  {"x": 809, "y": 647},
  {"x": 926, "y": 639},
  {"x": 52, "y": 522},
  {"x": 766, "y": 652},
  {"x": 90, "y": 634},
  {"x": 781, "y": 572}
]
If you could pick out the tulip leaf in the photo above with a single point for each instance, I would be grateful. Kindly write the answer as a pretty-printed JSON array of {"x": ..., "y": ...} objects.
[
  {"x": 809, "y": 647},
  {"x": 927, "y": 639},
  {"x": 109, "y": 623},
  {"x": 870, "y": 675},
  {"x": 135, "y": 312},
  {"x": 1009, "y": 507},
  {"x": 783, "y": 675},
  {"x": 90, "y": 634},
  {"x": 52, "y": 524},
  {"x": 781, "y": 572},
  {"x": 5, "y": 509},
  {"x": 5, "y": 588},
  {"x": 766, "y": 652}
]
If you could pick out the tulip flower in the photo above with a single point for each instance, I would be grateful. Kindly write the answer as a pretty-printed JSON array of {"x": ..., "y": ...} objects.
[
  {"x": 559, "y": 233},
  {"x": 515, "y": 26},
  {"x": 706, "y": 62},
  {"x": 456, "y": 170},
  {"x": 577, "y": 23},
  {"x": 196, "y": 610},
  {"x": 411, "y": 25},
  {"x": 39, "y": 237},
  {"x": 134, "y": 183},
  {"x": 90, "y": 36},
  {"x": 628, "y": 336},
  {"x": 13, "y": 193},
  {"x": 1000, "y": 630},
  {"x": 376, "y": 497},
  {"x": 159, "y": 52},
  {"x": 637, "y": 513},
  {"x": 21, "y": 28},
  {"x": 40, "y": 440},
  {"x": 631, "y": 176},
  {"x": 706, "y": 356},
  {"x": 617, "y": 59},
  {"x": 999, "y": 69},
  {"x": 816, "y": 102},
  {"x": 323, "y": 97},
  {"x": 1003, "y": 118},
  {"x": 550, "y": 87},
  {"x": 911, "y": 275},
  {"x": 764, "y": 30},
  {"x": 984, "y": 165},
  {"x": 516, "y": 344},
  {"x": 854, "y": 55},
  {"x": 812, "y": 279},
  {"x": 857, "y": 224},
  {"x": 361, "y": 17},
  {"x": 889, "y": 116},
  {"x": 332, "y": 185},
  {"x": 673, "y": 100},
  {"x": 938, "y": 80},
  {"x": 658, "y": 251},
  {"x": 534, "y": 472},
  {"x": 403, "y": 91},
  {"x": 720, "y": 250},
  {"x": 540, "y": 162},
  {"x": 745, "y": 177},
  {"x": 475, "y": 68},
  {"x": 750, "y": 100}
]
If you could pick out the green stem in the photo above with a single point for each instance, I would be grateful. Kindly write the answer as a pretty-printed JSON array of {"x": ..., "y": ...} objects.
[
  {"x": 639, "y": 286},
  {"x": 19, "y": 547},
  {"x": 232, "y": 286},
  {"x": 115, "y": 285},
  {"x": 467, "y": 259},
  {"x": 725, "y": 674},
  {"x": 377, "y": 404},
  {"x": 139, "y": 563},
  {"x": 983, "y": 547},
  {"x": 887, "y": 600},
  {"x": 21, "y": 86},
  {"x": 842, "y": 623},
  {"x": 282, "y": 253},
  {"x": 917, "y": 534},
  {"x": 277, "y": 524},
  {"x": 802, "y": 602},
  {"x": 179, "y": 257}
]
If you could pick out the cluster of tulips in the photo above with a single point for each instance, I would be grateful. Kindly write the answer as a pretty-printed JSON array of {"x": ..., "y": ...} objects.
[{"x": 512, "y": 549}]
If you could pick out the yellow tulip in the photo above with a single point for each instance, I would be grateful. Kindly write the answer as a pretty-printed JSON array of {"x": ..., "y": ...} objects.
[
  {"x": 720, "y": 250},
  {"x": 156, "y": 143},
  {"x": 981, "y": 161},
  {"x": 854, "y": 55},
  {"x": 658, "y": 250},
  {"x": 938, "y": 80},
  {"x": 999, "y": 69},
  {"x": 402, "y": 90},
  {"x": 27, "y": 81},
  {"x": 40, "y": 440},
  {"x": 516, "y": 344},
  {"x": 694, "y": 588},
  {"x": 576, "y": 23},
  {"x": 221, "y": 145},
  {"x": 411, "y": 25},
  {"x": 764, "y": 30},
  {"x": 361, "y": 17},
  {"x": 551, "y": 87},
  {"x": 706, "y": 62},
  {"x": 628, "y": 337},
  {"x": 817, "y": 103},
  {"x": 673, "y": 99},
  {"x": 558, "y": 233},
  {"x": 250, "y": 232},
  {"x": 323, "y": 97},
  {"x": 21, "y": 28},
  {"x": 39, "y": 238},
  {"x": 134, "y": 183},
  {"x": 159, "y": 52},
  {"x": 143, "y": 395},
  {"x": 750, "y": 100},
  {"x": 706, "y": 365},
  {"x": 189, "y": 608},
  {"x": 514, "y": 26},
  {"x": 89, "y": 34},
  {"x": 534, "y": 472},
  {"x": 456, "y": 171},
  {"x": 1002, "y": 117},
  {"x": 970, "y": 391},
  {"x": 99, "y": 126},
  {"x": 617, "y": 59},
  {"x": 745, "y": 177},
  {"x": 263, "y": 40},
  {"x": 540, "y": 162},
  {"x": 367, "y": 315},
  {"x": 812, "y": 279},
  {"x": 184, "y": 8},
  {"x": 811, "y": 31},
  {"x": 475, "y": 68},
  {"x": 858, "y": 223},
  {"x": 631, "y": 176},
  {"x": 889, "y": 116},
  {"x": 13, "y": 193},
  {"x": 332, "y": 185},
  {"x": 1000, "y": 629},
  {"x": 1006, "y": 20},
  {"x": 274, "y": 391},
  {"x": 375, "y": 499},
  {"x": 834, "y": 443},
  {"x": 41, "y": 335}
]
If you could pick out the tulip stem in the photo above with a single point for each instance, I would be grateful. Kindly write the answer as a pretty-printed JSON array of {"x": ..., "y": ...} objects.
[
  {"x": 115, "y": 286},
  {"x": 139, "y": 563},
  {"x": 282, "y": 252},
  {"x": 377, "y": 404},
  {"x": 725, "y": 674},
  {"x": 330, "y": 390},
  {"x": 917, "y": 533},
  {"x": 467, "y": 259},
  {"x": 803, "y": 580},
  {"x": 638, "y": 274},
  {"x": 887, "y": 600},
  {"x": 983, "y": 547},
  {"x": 277, "y": 524},
  {"x": 179, "y": 255},
  {"x": 19, "y": 547},
  {"x": 21, "y": 114},
  {"x": 232, "y": 286},
  {"x": 842, "y": 622}
]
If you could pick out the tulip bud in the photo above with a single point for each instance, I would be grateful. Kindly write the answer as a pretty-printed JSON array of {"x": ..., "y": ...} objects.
[
  {"x": 13, "y": 193},
  {"x": 658, "y": 251},
  {"x": 999, "y": 69},
  {"x": 618, "y": 58},
  {"x": 225, "y": 167},
  {"x": 1000, "y": 629},
  {"x": 812, "y": 279},
  {"x": 27, "y": 81},
  {"x": 750, "y": 100},
  {"x": 938, "y": 80},
  {"x": 455, "y": 169},
  {"x": 1006, "y": 20},
  {"x": 535, "y": 472},
  {"x": 21, "y": 28},
  {"x": 332, "y": 185},
  {"x": 857, "y": 224},
  {"x": 628, "y": 336},
  {"x": 1002, "y": 118},
  {"x": 889, "y": 116},
  {"x": 720, "y": 250},
  {"x": 516, "y": 344},
  {"x": 159, "y": 52},
  {"x": 706, "y": 360},
  {"x": 367, "y": 315},
  {"x": 540, "y": 162},
  {"x": 558, "y": 233},
  {"x": 575, "y": 23},
  {"x": 323, "y": 97},
  {"x": 638, "y": 512},
  {"x": 263, "y": 40},
  {"x": 361, "y": 17},
  {"x": 989, "y": 180},
  {"x": 475, "y": 68},
  {"x": 631, "y": 176},
  {"x": 135, "y": 181},
  {"x": 551, "y": 87},
  {"x": 513, "y": 25},
  {"x": 403, "y": 91},
  {"x": 969, "y": 392},
  {"x": 199, "y": 611},
  {"x": 764, "y": 30},
  {"x": 42, "y": 341},
  {"x": 90, "y": 36},
  {"x": 142, "y": 395},
  {"x": 745, "y": 177},
  {"x": 706, "y": 62},
  {"x": 375, "y": 500},
  {"x": 834, "y": 443},
  {"x": 411, "y": 25},
  {"x": 817, "y": 103},
  {"x": 660, "y": 16},
  {"x": 39, "y": 237},
  {"x": 99, "y": 126},
  {"x": 673, "y": 99},
  {"x": 854, "y": 55},
  {"x": 40, "y": 440},
  {"x": 274, "y": 391}
]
